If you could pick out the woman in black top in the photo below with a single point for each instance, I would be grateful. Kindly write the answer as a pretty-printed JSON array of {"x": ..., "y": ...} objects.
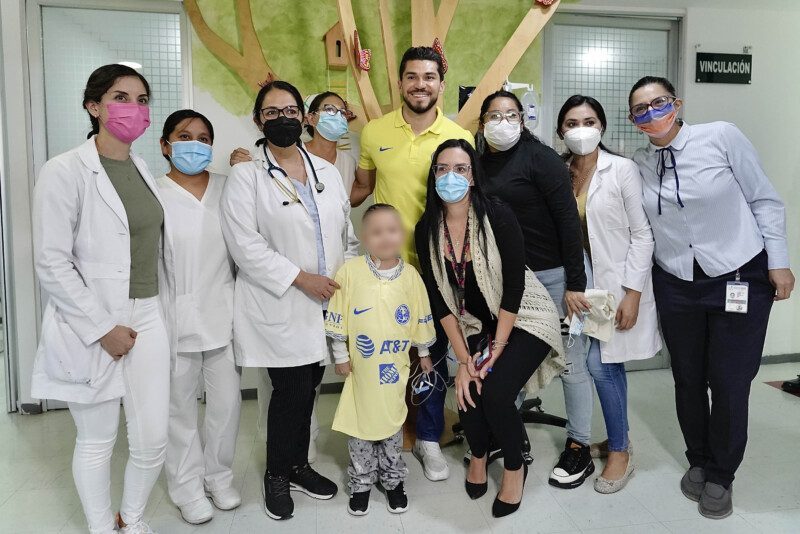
[
  {"x": 536, "y": 184},
  {"x": 486, "y": 401}
]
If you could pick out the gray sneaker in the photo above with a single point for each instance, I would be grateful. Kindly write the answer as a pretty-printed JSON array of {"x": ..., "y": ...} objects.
[
  {"x": 693, "y": 482},
  {"x": 716, "y": 501}
]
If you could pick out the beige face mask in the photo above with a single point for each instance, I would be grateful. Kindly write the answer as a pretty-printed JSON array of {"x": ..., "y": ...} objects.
[{"x": 598, "y": 322}]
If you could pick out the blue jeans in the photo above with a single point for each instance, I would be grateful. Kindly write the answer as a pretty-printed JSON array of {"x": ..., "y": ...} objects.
[
  {"x": 576, "y": 381},
  {"x": 430, "y": 416},
  {"x": 612, "y": 388}
]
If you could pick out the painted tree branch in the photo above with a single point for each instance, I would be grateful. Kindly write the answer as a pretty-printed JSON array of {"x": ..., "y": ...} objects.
[
  {"x": 372, "y": 108},
  {"x": 249, "y": 63},
  {"x": 390, "y": 52},
  {"x": 428, "y": 23},
  {"x": 530, "y": 26}
]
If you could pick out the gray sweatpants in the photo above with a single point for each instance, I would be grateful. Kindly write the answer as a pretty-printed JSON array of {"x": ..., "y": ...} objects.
[{"x": 371, "y": 461}]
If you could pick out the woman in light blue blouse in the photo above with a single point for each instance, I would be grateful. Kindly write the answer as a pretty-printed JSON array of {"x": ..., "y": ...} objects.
[{"x": 721, "y": 259}]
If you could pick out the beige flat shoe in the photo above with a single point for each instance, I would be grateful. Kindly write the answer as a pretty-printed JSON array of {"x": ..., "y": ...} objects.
[
  {"x": 600, "y": 450},
  {"x": 606, "y": 486}
]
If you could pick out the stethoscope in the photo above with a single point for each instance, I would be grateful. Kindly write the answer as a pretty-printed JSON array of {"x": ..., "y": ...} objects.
[{"x": 291, "y": 195}]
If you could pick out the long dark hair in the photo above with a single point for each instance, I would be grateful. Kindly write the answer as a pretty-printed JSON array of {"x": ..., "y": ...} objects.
[
  {"x": 176, "y": 117},
  {"x": 502, "y": 93},
  {"x": 100, "y": 81},
  {"x": 434, "y": 206},
  {"x": 573, "y": 102},
  {"x": 314, "y": 105},
  {"x": 266, "y": 88}
]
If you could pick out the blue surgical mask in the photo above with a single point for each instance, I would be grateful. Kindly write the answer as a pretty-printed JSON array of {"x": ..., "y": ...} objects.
[
  {"x": 452, "y": 187},
  {"x": 331, "y": 127},
  {"x": 190, "y": 157}
]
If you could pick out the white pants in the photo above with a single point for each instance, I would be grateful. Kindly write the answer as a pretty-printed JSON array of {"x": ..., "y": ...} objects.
[
  {"x": 146, "y": 403},
  {"x": 265, "y": 393},
  {"x": 202, "y": 460}
]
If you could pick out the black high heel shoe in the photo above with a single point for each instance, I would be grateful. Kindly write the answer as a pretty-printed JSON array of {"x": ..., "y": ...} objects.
[
  {"x": 502, "y": 509},
  {"x": 476, "y": 491}
]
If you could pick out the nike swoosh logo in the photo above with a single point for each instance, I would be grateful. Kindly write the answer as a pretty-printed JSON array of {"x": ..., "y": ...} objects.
[
  {"x": 385, "y": 148},
  {"x": 356, "y": 311}
]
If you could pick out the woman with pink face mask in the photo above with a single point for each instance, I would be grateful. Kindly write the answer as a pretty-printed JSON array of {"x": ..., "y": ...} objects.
[
  {"x": 721, "y": 259},
  {"x": 105, "y": 261}
]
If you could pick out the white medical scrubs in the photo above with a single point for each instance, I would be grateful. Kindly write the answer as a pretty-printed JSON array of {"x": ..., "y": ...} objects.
[{"x": 198, "y": 461}]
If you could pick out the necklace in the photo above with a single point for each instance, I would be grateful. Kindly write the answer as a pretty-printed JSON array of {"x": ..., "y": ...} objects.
[
  {"x": 578, "y": 184},
  {"x": 459, "y": 266}
]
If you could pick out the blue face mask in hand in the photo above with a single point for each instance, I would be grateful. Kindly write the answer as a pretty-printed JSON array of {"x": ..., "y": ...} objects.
[
  {"x": 452, "y": 187},
  {"x": 331, "y": 127},
  {"x": 190, "y": 157}
]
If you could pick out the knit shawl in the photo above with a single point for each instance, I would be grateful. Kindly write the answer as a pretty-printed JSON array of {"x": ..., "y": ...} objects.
[{"x": 537, "y": 314}]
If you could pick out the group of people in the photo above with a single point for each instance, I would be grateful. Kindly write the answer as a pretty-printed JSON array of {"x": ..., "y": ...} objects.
[{"x": 156, "y": 286}]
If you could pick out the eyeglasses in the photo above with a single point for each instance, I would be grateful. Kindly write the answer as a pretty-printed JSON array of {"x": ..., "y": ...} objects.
[
  {"x": 657, "y": 104},
  {"x": 458, "y": 168},
  {"x": 495, "y": 117},
  {"x": 330, "y": 109},
  {"x": 271, "y": 113}
]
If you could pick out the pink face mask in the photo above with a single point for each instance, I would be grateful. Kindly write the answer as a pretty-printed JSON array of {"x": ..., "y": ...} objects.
[{"x": 127, "y": 121}]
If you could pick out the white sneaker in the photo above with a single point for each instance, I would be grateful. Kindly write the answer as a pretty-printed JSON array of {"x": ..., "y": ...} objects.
[
  {"x": 225, "y": 499},
  {"x": 197, "y": 512},
  {"x": 312, "y": 451},
  {"x": 139, "y": 527},
  {"x": 433, "y": 461}
]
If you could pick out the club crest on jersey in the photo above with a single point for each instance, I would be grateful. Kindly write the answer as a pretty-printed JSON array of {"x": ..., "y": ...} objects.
[
  {"x": 365, "y": 345},
  {"x": 388, "y": 374},
  {"x": 402, "y": 315}
]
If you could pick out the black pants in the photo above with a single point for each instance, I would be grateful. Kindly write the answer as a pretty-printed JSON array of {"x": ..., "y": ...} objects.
[
  {"x": 289, "y": 415},
  {"x": 495, "y": 413},
  {"x": 717, "y": 350}
]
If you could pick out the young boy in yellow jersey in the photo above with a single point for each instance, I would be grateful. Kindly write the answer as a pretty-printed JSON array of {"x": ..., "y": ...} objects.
[{"x": 378, "y": 314}]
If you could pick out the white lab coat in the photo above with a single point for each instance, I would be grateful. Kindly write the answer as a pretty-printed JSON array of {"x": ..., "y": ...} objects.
[
  {"x": 275, "y": 324},
  {"x": 622, "y": 253},
  {"x": 82, "y": 258},
  {"x": 203, "y": 267}
]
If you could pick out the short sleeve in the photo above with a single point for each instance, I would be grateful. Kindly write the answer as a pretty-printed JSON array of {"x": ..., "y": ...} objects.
[
  {"x": 336, "y": 316},
  {"x": 365, "y": 157},
  {"x": 424, "y": 333}
]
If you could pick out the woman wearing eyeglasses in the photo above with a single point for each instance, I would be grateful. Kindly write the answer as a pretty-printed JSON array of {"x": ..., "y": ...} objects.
[
  {"x": 533, "y": 180},
  {"x": 286, "y": 221},
  {"x": 721, "y": 260}
]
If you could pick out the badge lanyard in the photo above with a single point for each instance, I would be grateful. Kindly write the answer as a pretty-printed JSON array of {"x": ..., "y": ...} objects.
[
  {"x": 459, "y": 268},
  {"x": 736, "y": 295}
]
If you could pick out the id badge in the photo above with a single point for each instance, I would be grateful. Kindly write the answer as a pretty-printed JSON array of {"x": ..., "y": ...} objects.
[{"x": 736, "y": 294}]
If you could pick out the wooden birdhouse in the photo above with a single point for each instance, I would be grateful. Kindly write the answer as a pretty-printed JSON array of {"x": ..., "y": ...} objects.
[{"x": 335, "y": 47}]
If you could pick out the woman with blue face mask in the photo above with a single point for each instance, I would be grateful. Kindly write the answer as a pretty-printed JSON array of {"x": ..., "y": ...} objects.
[
  {"x": 472, "y": 260},
  {"x": 327, "y": 120},
  {"x": 199, "y": 463}
]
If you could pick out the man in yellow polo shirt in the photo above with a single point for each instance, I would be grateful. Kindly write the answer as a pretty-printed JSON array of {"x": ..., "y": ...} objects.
[{"x": 396, "y": 152}]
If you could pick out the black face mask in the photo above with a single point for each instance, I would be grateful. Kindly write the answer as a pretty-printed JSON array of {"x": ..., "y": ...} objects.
[{"x": 282, "y": 132}]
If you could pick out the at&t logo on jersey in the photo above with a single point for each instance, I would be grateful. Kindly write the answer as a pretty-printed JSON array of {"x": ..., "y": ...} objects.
[
  {"x": 393, "y": 346},
  {"x": 388, "y": 374},
  {"x": 402, "y": 315},
  {"x": 365, "y": 345}
]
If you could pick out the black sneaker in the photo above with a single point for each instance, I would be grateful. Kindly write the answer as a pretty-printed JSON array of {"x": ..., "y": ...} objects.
[
  {"x": 278, "y": 503},
  {"x": 312, "y": 483},
  {"x": 359, "y": 503},
  {"x": 573, "y": 467},
  {"x": 397, "y": 500}
]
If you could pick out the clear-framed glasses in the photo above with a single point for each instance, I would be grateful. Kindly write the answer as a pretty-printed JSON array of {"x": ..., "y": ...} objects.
[
  {"x": 459, "y": 168},
  {"x": 330, "y": 109},
  {"x": 271, "y": 113},
  {"x": 657, "y": 104},
  {"x": 495, "y": 117}
]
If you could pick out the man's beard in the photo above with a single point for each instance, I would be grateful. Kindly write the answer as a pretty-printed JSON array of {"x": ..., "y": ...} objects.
[{"x": 419, "y": 110}]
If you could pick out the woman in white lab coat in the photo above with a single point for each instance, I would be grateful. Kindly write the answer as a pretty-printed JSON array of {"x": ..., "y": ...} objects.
[
  {"x": 199, "y": 463},
  {"x": 618, "y": 250},
  {"x": 104, "y": 259},
  {"x": 286, "y": 220}
]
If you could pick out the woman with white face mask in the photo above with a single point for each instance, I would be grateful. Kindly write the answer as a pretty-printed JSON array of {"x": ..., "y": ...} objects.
[
  {"x": 721, "y": 259},
  {"x": 200, "y": 463},
  {"x": 618, "y": 249},
  {"x": 532, "y": 179}
]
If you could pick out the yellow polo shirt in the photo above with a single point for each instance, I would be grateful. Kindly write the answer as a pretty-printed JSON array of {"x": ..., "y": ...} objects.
[{"x": 403, "y": 160}]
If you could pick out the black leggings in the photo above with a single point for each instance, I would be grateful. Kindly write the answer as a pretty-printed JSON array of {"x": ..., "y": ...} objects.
[
  {"x": 289, "y": 415},
  {"x": 495, "y": 413}
]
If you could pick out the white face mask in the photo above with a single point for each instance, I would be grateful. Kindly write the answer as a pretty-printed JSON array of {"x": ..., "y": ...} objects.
[
  {"x": 503, "y": 135},
  {"x": 583, "y": 140}
]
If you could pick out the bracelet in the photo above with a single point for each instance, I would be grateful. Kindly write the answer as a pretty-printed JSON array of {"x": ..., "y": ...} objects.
[
  {"x": 462, "y": 363},
  {"x": 496, "y": 343}
]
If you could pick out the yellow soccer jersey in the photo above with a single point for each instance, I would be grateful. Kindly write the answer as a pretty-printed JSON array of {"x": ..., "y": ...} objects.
[{"x": 380, "y": 320}]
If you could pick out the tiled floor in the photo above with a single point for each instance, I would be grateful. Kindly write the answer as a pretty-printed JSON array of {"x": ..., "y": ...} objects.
[{"x": 37, "y": 495}]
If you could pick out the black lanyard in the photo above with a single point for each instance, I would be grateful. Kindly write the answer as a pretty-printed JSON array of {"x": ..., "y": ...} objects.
[{"x": 460, "y": 267}]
